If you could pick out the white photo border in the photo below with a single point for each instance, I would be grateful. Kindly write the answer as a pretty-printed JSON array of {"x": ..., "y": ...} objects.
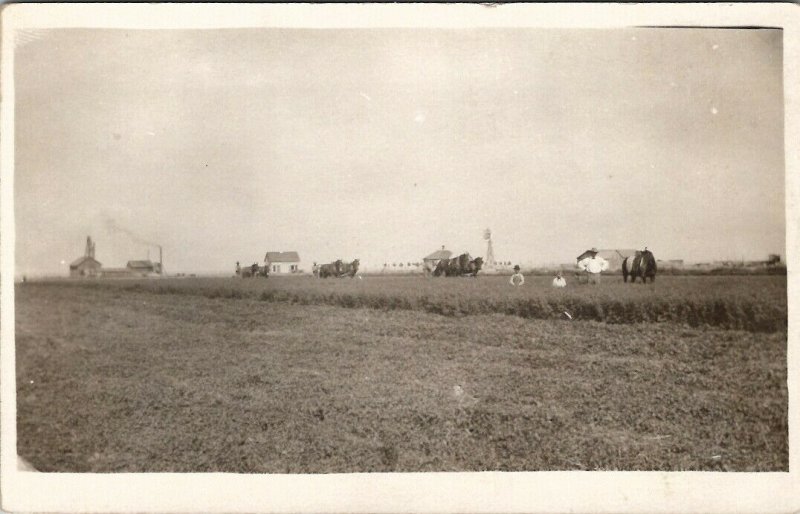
[{"x": 507, "y": 492}]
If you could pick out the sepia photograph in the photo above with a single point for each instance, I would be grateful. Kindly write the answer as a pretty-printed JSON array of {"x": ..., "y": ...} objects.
[{"x": 349, "y": 250}]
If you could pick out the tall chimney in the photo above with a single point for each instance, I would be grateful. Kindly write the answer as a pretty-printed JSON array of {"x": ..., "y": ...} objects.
[{"x": 160, "y": 261}]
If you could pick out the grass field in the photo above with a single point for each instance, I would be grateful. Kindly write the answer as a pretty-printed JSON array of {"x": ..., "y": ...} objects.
[
  {"x": 754, "y": 303},
  {"x": 401, "y": 374}
]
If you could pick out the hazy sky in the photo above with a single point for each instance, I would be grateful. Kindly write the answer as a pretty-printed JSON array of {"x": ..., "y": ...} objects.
[{"x": 386, "y": 144}]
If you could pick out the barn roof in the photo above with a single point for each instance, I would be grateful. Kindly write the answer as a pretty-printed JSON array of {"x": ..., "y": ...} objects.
[
  {"x": 141, "y": 265},
  {"x": 438, "y": 255},
  {"x": 282, "y": 257},
  {"x": 78, "y": 262}
]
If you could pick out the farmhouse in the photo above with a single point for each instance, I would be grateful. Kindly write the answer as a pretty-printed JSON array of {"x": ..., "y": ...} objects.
[
  {"x": 433, "y": 259},
  {"x": 86, "y": 266},
  {"x": 282, "y": 263}
]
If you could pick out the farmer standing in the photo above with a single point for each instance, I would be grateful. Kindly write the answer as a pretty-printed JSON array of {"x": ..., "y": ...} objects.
[
  {"x": 517, "y": 279},
  {"x": 559, "y": 281},
  {"x": 593, "y": 266}
]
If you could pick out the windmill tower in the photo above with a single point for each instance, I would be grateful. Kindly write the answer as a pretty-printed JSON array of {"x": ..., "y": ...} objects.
[
  {"x": 489, "y": 261},
  {"x": 89, "y": 248}
]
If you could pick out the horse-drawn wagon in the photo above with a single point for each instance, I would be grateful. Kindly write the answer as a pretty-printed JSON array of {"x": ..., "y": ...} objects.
[
  {"x": 252, "y": 271},
  {"x": 336, "y": 269},
  {"x": 461, "y": 266}
]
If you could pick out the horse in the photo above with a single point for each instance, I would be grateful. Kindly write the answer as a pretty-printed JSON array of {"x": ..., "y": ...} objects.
[
  {"x": 349, "y": 269},
  {"x": 446, "y": 267},
  {"x": 473, "y": 267},
  {"x": 333, "y": 269},
  {"x": 643, "y": 264},
  {"x": 251, "y": 271},
  {"x": 462, "y": 265},
  {"x": 246, "y": 271},
  {"x": 452, "y": 267}
]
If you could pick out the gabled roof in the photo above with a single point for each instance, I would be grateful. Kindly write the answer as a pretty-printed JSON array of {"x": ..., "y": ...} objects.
[
  {"x": 78, "y": 262},
  {"x": 438, "y": 255},
  {"x": 141, "y": 265},
  {"x": 282, "y": 257}
]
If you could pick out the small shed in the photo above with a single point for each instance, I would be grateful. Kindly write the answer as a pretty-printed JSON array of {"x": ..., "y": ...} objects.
[
  {"x": 282, "y": 263},
  {"x": 85, "y": 267}
]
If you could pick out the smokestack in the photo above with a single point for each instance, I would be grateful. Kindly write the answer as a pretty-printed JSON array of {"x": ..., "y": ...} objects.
[{"x": 160, "y": 261}]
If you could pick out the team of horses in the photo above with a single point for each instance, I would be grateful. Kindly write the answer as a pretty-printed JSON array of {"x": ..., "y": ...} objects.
[
  {"x": 252, "y": 271},
  {"x": 336, "y": 269},
  {"x": 461, "y": 266}
]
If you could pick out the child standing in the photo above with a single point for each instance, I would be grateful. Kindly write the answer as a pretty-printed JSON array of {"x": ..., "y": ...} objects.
[{"x": 517, "y": 279}]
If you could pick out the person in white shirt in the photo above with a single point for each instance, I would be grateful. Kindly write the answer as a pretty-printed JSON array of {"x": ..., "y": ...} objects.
[
  {"x": 559, "y": 281},
  {"x": 593, "y": 266},
  {"x": 517, "y": 279}
]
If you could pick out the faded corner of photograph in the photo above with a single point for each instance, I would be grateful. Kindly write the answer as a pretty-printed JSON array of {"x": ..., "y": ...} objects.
[{"x": 400, "y": 250}]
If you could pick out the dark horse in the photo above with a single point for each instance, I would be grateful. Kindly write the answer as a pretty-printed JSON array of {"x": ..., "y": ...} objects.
[
  {"x": 330, "y": 270},
  {"x": 338, "y": 269},
  {"x": 252, "y": 271},
  {"x": 458, "y": 266},
  {"x": 452, "y": 267},
  {"x": 473, "y": 267},
  {"x": 643, "y": 264},
  {"x": 349, "y": 269}
]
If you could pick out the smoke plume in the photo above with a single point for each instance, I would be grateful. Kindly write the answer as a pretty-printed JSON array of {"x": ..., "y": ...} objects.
[{"x": 113, "y": 226}]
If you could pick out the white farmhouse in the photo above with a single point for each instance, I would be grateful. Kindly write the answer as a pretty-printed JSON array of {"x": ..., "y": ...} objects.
[{"x": 282, "y": 263}]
